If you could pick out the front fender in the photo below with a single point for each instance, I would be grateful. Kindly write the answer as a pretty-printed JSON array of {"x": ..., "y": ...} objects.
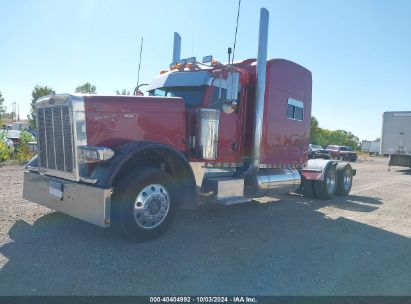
[
  {"x": 109, "y": 172},
  {"x": 106, "y": 172}
]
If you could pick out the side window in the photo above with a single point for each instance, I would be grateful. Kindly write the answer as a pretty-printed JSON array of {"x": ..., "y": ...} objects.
[
  {"x": 216, "y": 93},
  {"x": 217, "y": 103},
  {"x": 295, "y": 109},
  {"x": 290, "y": 111},
  {"x": 220, "y": 94}
]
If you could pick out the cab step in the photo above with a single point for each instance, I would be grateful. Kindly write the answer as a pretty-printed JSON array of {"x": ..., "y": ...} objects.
[{"x": 225, "y": 190}]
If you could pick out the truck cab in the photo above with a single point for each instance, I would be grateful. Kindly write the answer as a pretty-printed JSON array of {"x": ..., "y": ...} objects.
[
  {"x": 287, "y": 106},
  {"x": 221, "y": 132}
]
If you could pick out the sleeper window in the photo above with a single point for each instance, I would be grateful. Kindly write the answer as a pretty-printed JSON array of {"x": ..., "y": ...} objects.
[{"x": 295, "y": 109}]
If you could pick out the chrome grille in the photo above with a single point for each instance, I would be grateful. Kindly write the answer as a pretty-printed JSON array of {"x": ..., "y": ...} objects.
[{"x": 55, "y": 142}]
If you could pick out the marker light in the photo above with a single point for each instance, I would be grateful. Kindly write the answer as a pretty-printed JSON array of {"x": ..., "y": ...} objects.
[{"x": 214, "y": 62}]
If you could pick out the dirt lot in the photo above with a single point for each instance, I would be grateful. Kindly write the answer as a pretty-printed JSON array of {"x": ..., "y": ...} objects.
[{"x": 358, "y": 245}]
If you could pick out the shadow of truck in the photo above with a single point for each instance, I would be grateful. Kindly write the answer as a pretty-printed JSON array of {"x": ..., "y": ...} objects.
[{"x": 283, "y": 248}]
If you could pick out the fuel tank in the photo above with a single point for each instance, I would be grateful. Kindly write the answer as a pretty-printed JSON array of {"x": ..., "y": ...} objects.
[
  {"x": 207, "y": 133},
  {"x": 273, "y": 182}
]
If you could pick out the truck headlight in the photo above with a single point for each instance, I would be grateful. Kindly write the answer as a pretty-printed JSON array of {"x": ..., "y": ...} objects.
[{"x": 91, "y": 154}]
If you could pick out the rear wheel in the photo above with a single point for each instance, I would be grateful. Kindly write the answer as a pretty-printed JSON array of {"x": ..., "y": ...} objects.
[
  {"x": 307, "y": 188},
  {"x": 144, "y": 204},
  {"x": 344, "y": 179},
  {"x": 326, "y": 188}
]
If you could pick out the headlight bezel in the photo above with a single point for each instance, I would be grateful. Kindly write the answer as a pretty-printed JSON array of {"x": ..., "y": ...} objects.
[{"x": 93, "y": 154}]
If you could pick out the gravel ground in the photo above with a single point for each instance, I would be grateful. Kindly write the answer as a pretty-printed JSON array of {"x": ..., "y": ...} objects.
[{"x": 358, "y": 245}]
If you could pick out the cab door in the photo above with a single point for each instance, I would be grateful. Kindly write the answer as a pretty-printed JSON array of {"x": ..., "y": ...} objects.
[{"x": 230, "y": 137}]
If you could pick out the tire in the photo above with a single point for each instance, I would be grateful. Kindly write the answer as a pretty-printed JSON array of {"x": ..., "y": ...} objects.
[
  {"x": 344, "y": 179},
  {"x": 307, "y": 188},
  {"x": 144, "y": 204},
  {"x": 326, "y": 188}
]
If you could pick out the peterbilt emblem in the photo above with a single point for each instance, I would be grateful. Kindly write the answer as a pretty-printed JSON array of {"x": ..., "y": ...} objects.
[{"x": 129, "y": 115}]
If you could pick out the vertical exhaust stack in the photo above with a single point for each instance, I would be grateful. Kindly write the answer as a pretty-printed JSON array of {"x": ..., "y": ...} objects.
[
  {"x": 266, "y": 181},
  {"x": 176, "y": 48},
  {"x": 260, "y": 90}
]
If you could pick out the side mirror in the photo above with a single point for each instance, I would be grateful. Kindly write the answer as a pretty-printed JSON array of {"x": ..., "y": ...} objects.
[
  {"x": 229, "y": 106},
  {"x": 233, "y": 85},
  {"x": 228, "y": 102}
]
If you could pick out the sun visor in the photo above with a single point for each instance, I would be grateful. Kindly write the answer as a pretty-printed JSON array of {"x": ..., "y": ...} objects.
[{"x": 180, "y": 79}]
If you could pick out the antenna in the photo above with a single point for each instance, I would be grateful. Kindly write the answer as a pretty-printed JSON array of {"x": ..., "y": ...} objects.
[
  {"x": 139, "y": 61},
  {"x": 236, "y": 29},
  {"x": 192, "y": 46}
]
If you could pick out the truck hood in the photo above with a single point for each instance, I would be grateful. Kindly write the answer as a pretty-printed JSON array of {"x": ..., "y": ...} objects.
[{"x": 114, "y": 120}]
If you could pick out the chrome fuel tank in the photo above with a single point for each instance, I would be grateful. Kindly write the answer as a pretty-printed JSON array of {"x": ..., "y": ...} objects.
[
  {"x": 208, "y": 121},
  {"x": 273, "y": 182}
]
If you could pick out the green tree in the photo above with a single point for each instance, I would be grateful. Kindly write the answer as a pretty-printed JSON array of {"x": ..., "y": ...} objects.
[
  {"x": 2, "y": 109},
  {"x": 86, "y": 88},
  {"x": 325, "y": 137},
  {"x": 314, "y": 130},
  {"x": 4, "y": 151},
  {"x": 123, "y": 92},
  {"x": 22, "y": 151},
  {"x": 38, "y": 91}
]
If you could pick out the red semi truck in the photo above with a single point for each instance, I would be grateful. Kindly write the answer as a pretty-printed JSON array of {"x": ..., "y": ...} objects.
[{"x": 225, "y": 132}]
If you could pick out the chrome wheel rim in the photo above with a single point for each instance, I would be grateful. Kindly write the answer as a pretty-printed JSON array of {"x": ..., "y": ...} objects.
[
  {"x": 347, "y": 179},
  {"x": 330, "y": 182},
  {"x": 151, "y": 206}
]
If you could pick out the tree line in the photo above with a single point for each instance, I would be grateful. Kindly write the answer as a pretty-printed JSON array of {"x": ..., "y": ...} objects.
[{"x": 325, "y": 137}]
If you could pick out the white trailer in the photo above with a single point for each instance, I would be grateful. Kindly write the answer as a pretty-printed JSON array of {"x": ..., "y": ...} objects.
[
  {"x": 396, "y": 138},
  {"x": 372, "y": 147},
  {"x": 365, "y": 146}
]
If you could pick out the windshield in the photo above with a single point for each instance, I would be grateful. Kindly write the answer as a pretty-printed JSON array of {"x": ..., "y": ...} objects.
[{"x": 192, "y": 96}]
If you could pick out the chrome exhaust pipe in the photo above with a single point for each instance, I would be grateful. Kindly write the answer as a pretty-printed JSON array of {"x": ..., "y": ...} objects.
[
  {"x": 176, "y": 48},
  {"x": 260, "y": 91}
]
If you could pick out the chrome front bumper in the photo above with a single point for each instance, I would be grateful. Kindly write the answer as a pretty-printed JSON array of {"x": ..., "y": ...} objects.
[{"x": 86, "y": 203}]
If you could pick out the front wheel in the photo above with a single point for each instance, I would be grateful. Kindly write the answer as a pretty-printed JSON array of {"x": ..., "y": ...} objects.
[
  {"x": 144, "y": 204},
  {"x": 326, "y": 188}
]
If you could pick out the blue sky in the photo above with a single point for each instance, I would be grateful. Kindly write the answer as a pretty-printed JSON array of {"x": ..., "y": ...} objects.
[{"x": 359, "y": 51}]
